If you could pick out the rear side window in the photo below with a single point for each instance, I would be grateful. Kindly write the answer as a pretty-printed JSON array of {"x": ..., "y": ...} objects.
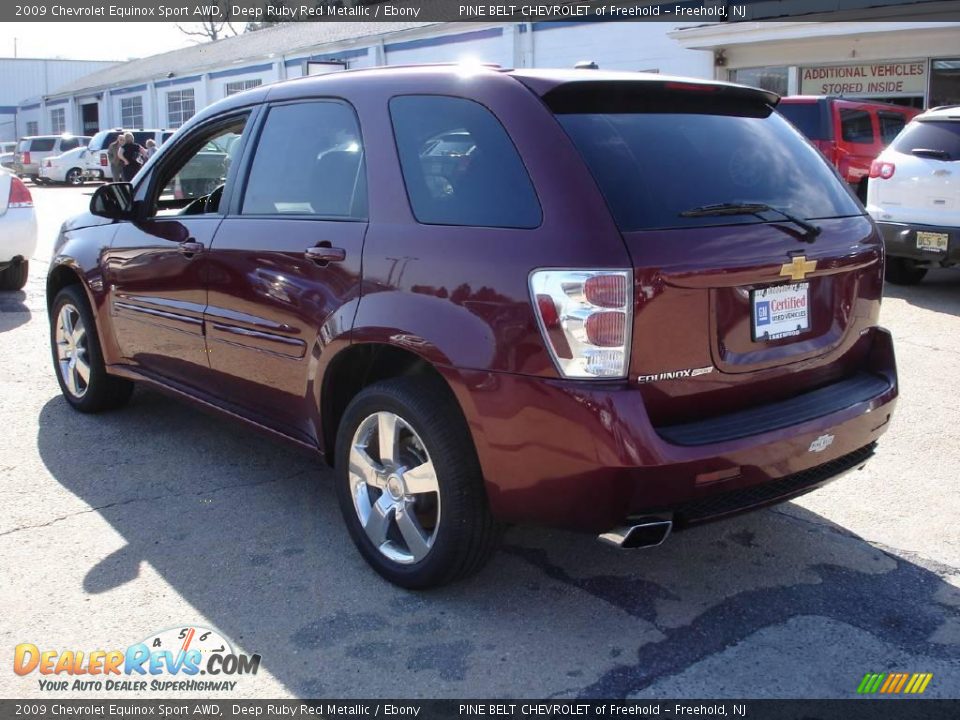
[
  {"x": 653, "y": 166},
  {"x": 309, "y": 161},
  {"x": 460, "y": 166},
  {"x": 808, "y": 118},
  {"x": 67, "y": 144},
  {"x": 942, "y": 135},
  {"x": 891, "y": 124},
  {"x": 856, "y": 126},
  {"x": 42, "y": 144}
]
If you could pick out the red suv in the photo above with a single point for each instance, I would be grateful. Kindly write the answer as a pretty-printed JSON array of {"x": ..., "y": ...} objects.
[
  {"x": 850, "y": 133},
  {"x": 614, "y": 302}
]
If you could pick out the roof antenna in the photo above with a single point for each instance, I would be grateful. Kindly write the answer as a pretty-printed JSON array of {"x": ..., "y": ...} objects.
[{"x": 586, "y": 65}]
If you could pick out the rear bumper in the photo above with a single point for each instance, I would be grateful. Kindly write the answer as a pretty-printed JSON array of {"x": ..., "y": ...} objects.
[
  {"x": 18, "y": 235},
  {"x": 586, "y": 456},
  {"x": 900, "y": 240}
]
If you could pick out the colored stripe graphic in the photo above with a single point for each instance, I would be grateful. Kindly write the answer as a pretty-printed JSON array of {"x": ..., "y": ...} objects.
[{"x": 894, "y": 683}]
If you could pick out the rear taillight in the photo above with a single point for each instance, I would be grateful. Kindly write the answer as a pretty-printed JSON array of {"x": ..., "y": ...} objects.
[
  {"x": 585, "y": 316},
  {"x": 26, "y": 158},
  {"x": 103, "y": 159},
  {"x": 20, "y": 196},
  {"x": 882, "y": 170}
]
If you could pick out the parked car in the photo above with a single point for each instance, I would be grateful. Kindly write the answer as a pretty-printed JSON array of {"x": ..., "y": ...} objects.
[
  {"x": 7, "y": 161},
  {"x": 72, "y": 168},
  {"x": 630, "y": 304},
  {"x": 914, "y": 195},
  {"x": 32, "y": 151},
  {"x": 101, "y": 141},
  {"x": 849, "y": 133},
  {"x": 18, "y": 231}
]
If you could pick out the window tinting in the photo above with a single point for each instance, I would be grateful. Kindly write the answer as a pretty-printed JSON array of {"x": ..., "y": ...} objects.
[
  {"x": 309, "y": 161},
  {"x": 653, "y": 166},
  {"x": 69, "y": 144},
  {"x": 808, "y": 117},
  {"x": 43, "y": 144},
  {"x": 459, "y": 165},
  {"x": 856, "y": 127},
  {"x": 890, "y": 125},
  {"x": 941, "y": 135}
]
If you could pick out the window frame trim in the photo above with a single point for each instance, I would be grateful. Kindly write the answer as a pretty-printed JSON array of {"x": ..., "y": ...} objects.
[{"x": 235, "y": 207}]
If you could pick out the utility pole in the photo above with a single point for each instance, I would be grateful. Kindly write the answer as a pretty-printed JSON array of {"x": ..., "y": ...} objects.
[{"x": 14, "y": 48}]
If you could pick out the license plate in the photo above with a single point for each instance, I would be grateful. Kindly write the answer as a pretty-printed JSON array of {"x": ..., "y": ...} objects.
[
  {"x": 936, "y": 242},
  {"x": 780, "y": 311}
]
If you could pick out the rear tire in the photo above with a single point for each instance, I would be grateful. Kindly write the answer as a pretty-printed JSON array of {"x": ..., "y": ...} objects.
[
  {"x": 74, "y": 177},
  {"x": 77, "y": 358},
  {"x": 431, "y": 482},
  {"x": 14, "y": 277},
  {"x": 904, "y": 271}
]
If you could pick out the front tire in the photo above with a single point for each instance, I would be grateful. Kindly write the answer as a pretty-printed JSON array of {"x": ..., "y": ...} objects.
[
  {"x": 903, "y": 271},
  {"x": 14, "y": 277},
  {"x": 409, "y": 484},
  {"x": 77, "y": 358}
]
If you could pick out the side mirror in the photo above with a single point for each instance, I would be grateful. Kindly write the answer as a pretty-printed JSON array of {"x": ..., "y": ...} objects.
[{"x": 113, "y": 201}]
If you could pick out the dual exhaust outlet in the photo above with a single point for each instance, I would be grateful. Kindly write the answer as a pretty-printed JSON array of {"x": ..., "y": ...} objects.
[{"x": 642, "y": 533}]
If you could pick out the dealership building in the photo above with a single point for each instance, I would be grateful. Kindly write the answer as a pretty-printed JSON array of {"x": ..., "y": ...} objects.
[{"x": 915, "y": 63}]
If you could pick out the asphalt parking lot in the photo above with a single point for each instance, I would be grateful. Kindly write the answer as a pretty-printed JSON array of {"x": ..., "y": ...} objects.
[{"x": 117, "y": 526}]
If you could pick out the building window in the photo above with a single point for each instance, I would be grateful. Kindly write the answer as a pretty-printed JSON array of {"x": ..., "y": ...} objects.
[
  {"x": 232, "y": 88},
  {"x": 180, "y": 107},
  {"x": 33, "y": 127},
  {"x": 131, "y": 112},
  {"x": 58, "y": 121},
  {"x": 945, "y": 82},
  {"x": 767, "y": 78}
]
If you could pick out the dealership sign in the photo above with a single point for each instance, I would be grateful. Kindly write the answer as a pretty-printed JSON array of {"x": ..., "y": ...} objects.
[{"x": 878, "y": 78}]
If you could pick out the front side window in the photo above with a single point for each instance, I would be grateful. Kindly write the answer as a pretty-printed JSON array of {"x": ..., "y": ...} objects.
[
  {"x": 194, "y": 184},
  {"x": 180, "y": 107},
  {"x": 856, "y": 126},
  {"x": 58, "y": 120},
  {"x": 460, "y": 166},
  {"x": 131, "y": 112},
  {"x": 309, "y": 161}
]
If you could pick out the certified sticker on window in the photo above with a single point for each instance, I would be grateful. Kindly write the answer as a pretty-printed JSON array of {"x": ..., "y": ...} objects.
[{"x": 780, "y": 311}]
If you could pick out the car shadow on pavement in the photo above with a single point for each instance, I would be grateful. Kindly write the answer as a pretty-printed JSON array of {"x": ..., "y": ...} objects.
[
  {"x": 938, "y": 291},
  {"x": 13, "y": 310},
  {"x": 248, "y": 535}
]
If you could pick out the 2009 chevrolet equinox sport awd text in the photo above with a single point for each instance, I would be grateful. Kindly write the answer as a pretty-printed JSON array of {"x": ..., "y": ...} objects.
[{"x": 613, "y": 302}]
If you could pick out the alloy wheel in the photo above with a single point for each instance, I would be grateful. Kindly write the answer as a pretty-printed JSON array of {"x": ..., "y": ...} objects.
[
  {"x": 72, "y": 356},
  {"x": 394, "y": 488}
]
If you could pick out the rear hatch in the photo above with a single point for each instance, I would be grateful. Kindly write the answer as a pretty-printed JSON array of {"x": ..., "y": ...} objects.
[
  {"x": 921, "y": 183},
  {"x": 754, "y": 267}
]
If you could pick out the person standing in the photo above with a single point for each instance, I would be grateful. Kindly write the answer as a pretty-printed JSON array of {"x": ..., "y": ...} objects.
[
  {"x": 113, "y": 157},
  {"x": 130, "y": 155},
  {"x": 150, "y": 149}
]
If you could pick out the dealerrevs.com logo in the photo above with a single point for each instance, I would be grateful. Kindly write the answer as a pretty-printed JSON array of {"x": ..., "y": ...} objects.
[{"x": 183, "y": 659}]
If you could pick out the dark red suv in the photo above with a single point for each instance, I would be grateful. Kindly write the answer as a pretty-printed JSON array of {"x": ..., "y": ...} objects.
[
  {"x": 849, "y": 132},
  {"x": 614, "y": 302}
]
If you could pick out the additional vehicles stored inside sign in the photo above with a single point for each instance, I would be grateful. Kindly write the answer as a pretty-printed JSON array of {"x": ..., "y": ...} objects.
[
  {"x": 914, "y": 196},
  {"x": 614, "y": 302}
]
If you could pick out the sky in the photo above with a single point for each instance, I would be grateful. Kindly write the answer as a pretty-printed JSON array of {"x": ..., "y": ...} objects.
[{"x": 90, "y": 40}]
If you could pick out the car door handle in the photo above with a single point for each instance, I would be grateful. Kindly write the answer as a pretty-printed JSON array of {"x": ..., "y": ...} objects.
[
  {"x": 190, "y": 248},
  {"x": 325, "y": 254}
]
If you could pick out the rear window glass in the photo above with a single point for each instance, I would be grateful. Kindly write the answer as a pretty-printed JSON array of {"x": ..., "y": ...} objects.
[
  {"x": 931, "y": 135},
  {"x": 856, "y": 126},
  {"x": 42, "y": 144},
  {"x": 460, "y": 166},
  {"x": 141, "y": 137},
  {"x": 890, "y": 125},
  {"x": 651, "y": 167},
  {"x": 808, "y": 119}
]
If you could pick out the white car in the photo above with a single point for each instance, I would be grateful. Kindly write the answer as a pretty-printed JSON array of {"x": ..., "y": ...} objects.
[
  {"x": 72, "y": 167},
  {"x": 914, "y": 195},
  {"x": 18, "y": 231}
]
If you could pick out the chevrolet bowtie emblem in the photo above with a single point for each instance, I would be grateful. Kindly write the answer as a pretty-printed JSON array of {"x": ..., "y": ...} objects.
[{"x": 798, "y": 268}]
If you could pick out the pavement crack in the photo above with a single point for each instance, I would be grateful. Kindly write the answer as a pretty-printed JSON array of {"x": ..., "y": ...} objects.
[{"x": 154, "y": 498}]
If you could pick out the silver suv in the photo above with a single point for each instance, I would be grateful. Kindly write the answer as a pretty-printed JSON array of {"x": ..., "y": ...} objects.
[{"x": 34, "y": 149}]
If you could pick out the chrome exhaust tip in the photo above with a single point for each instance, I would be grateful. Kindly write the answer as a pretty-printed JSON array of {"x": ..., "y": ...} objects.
[{"x": 642, "y": 534}]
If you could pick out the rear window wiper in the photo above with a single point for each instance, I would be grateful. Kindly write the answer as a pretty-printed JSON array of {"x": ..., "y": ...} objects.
[
  {"x": 751, "y": 209},
  {"x": 931, "y": 153}
]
